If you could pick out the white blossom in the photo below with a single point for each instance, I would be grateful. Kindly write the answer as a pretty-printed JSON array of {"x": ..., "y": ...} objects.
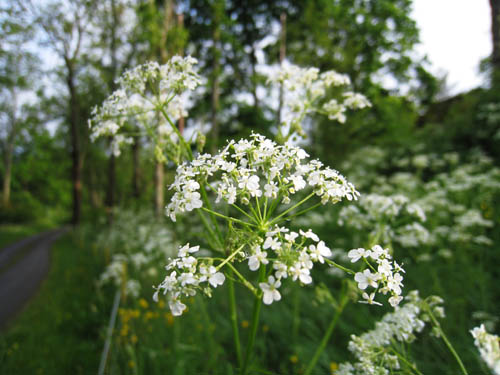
[{"x": 270, "y": 290}]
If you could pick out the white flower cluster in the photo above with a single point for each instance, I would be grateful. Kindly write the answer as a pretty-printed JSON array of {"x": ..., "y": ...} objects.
[
  {"x": 489, "y": 347},
  {"x": 141, "y": 93},
  {"x": 250, "y": 169},
  {"x": 304, "y": 89},
  {"x": 291, "y": 255},
  {"x": 385, "y": 278},
  {"x": 387, "y": 218},
  {"x": 373, "y": 350},
  {"x": 187, "y": 275},
  {"x": 136, "y": 242}
]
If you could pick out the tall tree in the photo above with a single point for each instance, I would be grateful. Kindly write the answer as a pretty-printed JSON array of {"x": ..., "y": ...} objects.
[
  {"x": 495, "y": 37},
  {"x": 67, "y": 28},
  {"x": 17, "y": 68},
  {"x": 116, "y": 42},
  {"x": 218, "y": 9},
  {"x": 165, "y": 36}
]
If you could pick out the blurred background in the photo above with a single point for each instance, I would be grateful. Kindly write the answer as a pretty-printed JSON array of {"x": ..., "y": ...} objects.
[{"x": 432, "y": 74}]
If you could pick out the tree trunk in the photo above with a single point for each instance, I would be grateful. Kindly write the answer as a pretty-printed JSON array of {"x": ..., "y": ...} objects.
[
  {"x": 282, "y": 58},
  {"x": 495, "y": 36},
  {"x": 136, "y": 168},
  {"x": 218, "y": 8},
  {"x": 253, "y": 63},
  {"x": 8, "y": 173},
  {"x": 159, "y": 197},
  {"x": 110, "y": 193},
  {"x": 180, "y": 23},
  {"x": 76, "y": 155},
  {"x": 159, "y": 168},
  {"x": 9, "y": 150}
]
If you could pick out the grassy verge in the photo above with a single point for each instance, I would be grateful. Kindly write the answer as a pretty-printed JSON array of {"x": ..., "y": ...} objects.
[{"x": 59, "y": 332}]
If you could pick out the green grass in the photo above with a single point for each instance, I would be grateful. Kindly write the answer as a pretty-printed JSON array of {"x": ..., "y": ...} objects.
[{"x": 59, "y": 332}]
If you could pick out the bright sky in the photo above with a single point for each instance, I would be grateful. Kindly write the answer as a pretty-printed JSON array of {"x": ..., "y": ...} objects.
[{"x": 455, "y": 35}]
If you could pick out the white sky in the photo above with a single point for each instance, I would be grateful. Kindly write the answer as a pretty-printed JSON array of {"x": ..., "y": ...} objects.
[{"x": 455, "y": 35}]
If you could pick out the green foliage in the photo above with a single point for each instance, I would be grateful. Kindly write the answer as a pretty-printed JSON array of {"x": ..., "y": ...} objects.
[{"x": 65, "y": 319}]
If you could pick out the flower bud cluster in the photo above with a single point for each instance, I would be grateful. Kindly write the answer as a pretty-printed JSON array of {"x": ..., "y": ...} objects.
[
  {"x": 384, "y": 276},
  {"x": 489, "y": 347},
  {"x": 186, "y": 275},
  {"x": 255, "y": 168},
  {"x": 373, "y": 349}
]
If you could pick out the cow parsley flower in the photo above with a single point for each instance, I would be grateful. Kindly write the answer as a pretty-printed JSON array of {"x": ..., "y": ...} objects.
[
  {"x": 385, "y": 276},
  {"x": 270, "y": 290},
  {"x": 489, "y": 347},
  {"x": 373, "y": 350},
  {"x": 143, "y": 93},
  {"x": 250, "y": 169},
  {"x": 304, "y": 92},
  {"x": 187, "y": 275}
]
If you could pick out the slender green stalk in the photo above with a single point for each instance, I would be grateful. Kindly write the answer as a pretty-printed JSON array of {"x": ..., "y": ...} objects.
[
  {"x": 229, "y": 257},
  {"x": 408, "y": 363},
  {"x": 254, "y": 212},
  {"x": 301, "y": 212},
  {"x": 204, "y": 196},
  {"x": 234, "y": 318},
  {"x": 446, "y": 341},
  {"x": 291, "y": 208},
  {"x": 207, "y": 226},
  {"x": 255, "y": 324},
  {"x": 296, "y": 313},
  {"x": 332, "y": 263},
  {"x": 273, "y": 206},
  {"x": 243, "y": 280},
  {"x": 178, "y": 133},
  {"x": 326, "y": 336},
  {"x": 265, "y": 208},
  {"x": 227, "y": 217},
  {"x": 244, "y": 213},
  {"x": 258, "y": 209}
]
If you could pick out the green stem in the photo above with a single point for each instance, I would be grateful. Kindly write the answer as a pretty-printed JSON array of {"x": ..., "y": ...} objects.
[
  {"x": 244, "y": 213},
  {"x": 207, "y": 226},
  {"x": 209, "y": 206},
  {"x": 229, "y": 258},
  {"x": 258, "y": 208},
  {"x": 255, "y": 323},
  {"x": 273, "y": 206},
  {"x": 234, "y": 318},
  {"x": 178, "y": 133},
  {"x": 227, "y": 217},
  {"x": 291, "y": 208},
  {"x": 243, "y": 280},
  {"x": 301, "y": 212},
  {"x": 326, "y": 337},
  {"x": 446, "y": 341},
  {"x": 296, "y": 314},
  {"x": 408, "y": 363},
  {"x": 332, "y": 263},
  {"x": 250, "y": 205}
]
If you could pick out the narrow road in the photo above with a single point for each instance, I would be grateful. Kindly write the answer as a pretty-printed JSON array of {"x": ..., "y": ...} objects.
[{"x": 23, "y": 266}]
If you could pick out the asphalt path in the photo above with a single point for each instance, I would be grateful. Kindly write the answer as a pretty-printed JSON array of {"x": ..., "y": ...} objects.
[{"x": 23, "y": 266}]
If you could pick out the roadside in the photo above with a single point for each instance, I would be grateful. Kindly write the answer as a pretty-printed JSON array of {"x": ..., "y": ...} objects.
[
  {"x": 60, "y": 331},
  {"x": 23, "y": 266}
]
